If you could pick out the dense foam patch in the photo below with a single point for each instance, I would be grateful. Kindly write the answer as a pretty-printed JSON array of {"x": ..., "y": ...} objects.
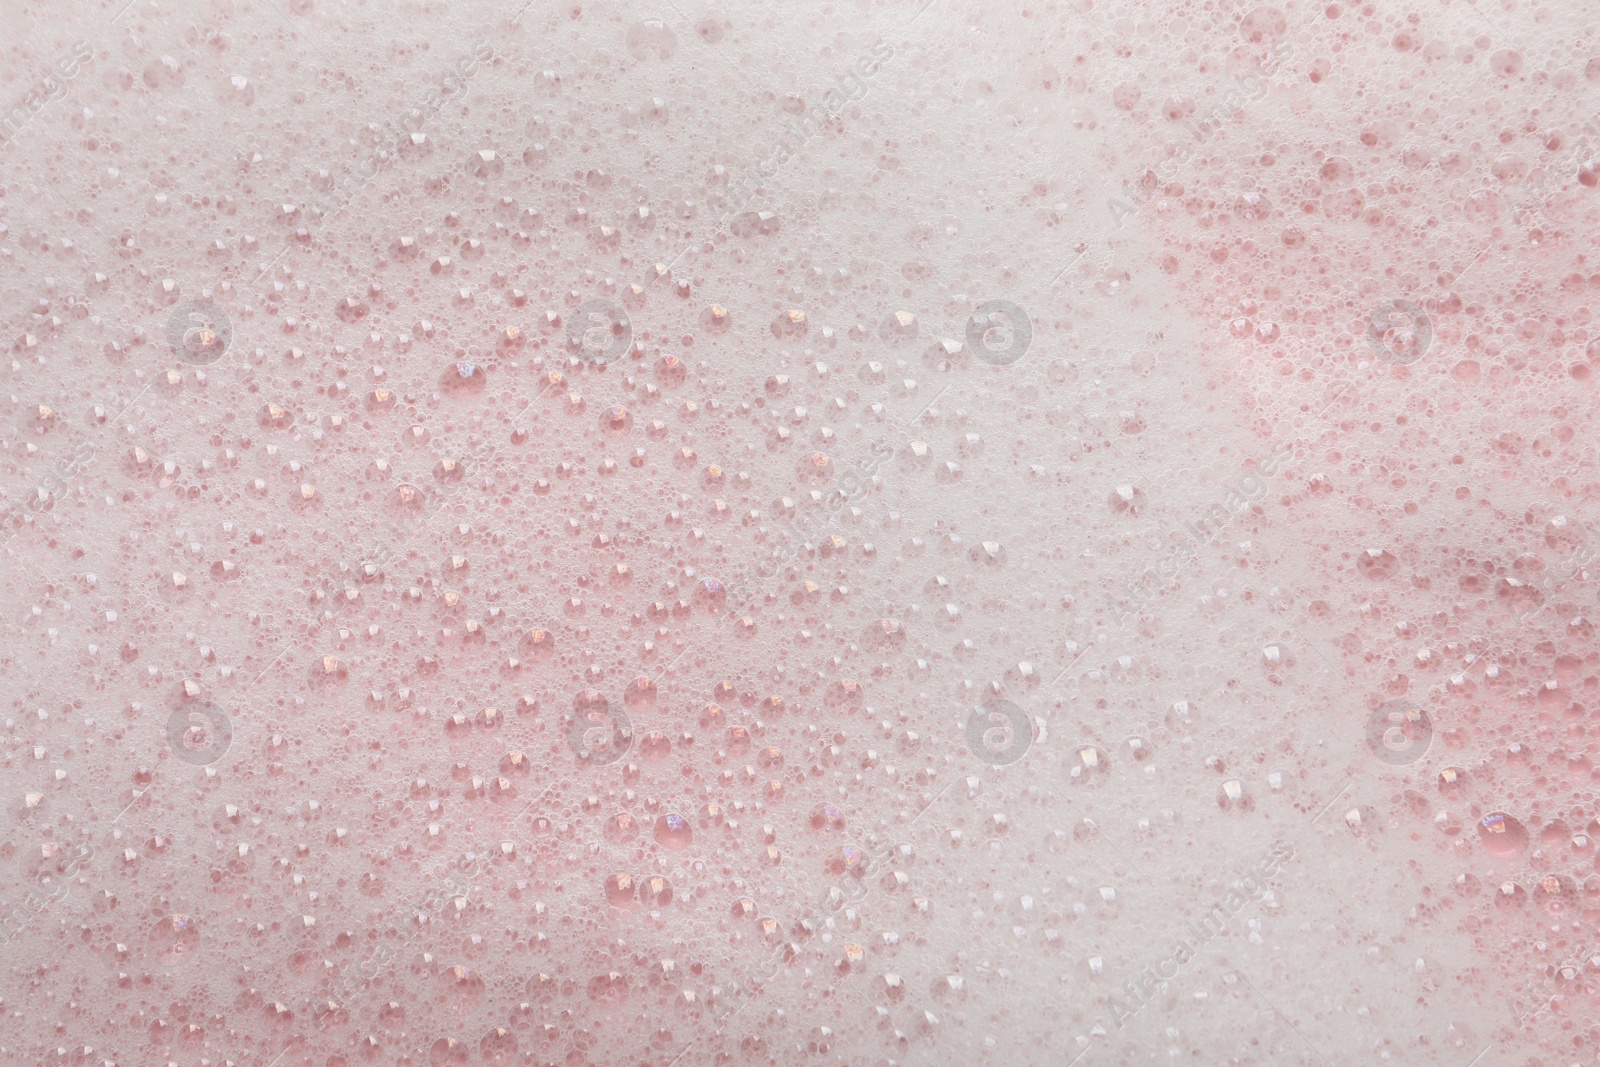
[{"x": 831, "y": 533}]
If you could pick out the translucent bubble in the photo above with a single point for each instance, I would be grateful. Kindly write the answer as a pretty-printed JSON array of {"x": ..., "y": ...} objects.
[
  {"x": 539, "y": 645},
  {"x": 655, "y": 892},
  {"x": 274, "y": 417},
  {"x": 1088, "y": 765},
  {"x": 1502, "y": 834},
  {"x": 1377, "y": 564},
  {"x": 640, "y": 694},
  {"x": 199, "y": 332},
  {"x": 447, "y": 1052},
  {"x": 673, "y": 831},
  {"x": 461, "y": 990},
  {"x": 671, "y": 372},
  {"x": 621, "y": 828},
  {"x": 173, "y": 940},
  {"x": 885, "y": 635},
  {"x": 498, "y": 1047},
  {"x": 827, "y": 817},
  {"x": 463, "y": 378},
  {"x": 616, "y": 419},
  {"x": 1232, "y": 796},
  {"x": 999, "y": 333},
  {"x": 621, "y": 891},
  {"x": 651, "y": 37},
  {"x": 608, "y": 988}
]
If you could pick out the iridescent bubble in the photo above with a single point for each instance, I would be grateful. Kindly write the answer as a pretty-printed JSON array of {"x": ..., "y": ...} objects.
[
  {"x": 710, "y": 595},
  {"x": 463, "y": 378},
  {"x": 846, "y": 861},
  {"x": 790, "y": 324},
  {"x": 827, "y": 817},
  {"x": 173, "y": 940},
  {"x": 673, "y": 831},
  {"x": 616, "y": 419},
  {"x": 1502, "y": 834},
  {"x": 328, "y": 672},
  {"x": 716, "y": 318},
  {"x": 274, "y": 417}
]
